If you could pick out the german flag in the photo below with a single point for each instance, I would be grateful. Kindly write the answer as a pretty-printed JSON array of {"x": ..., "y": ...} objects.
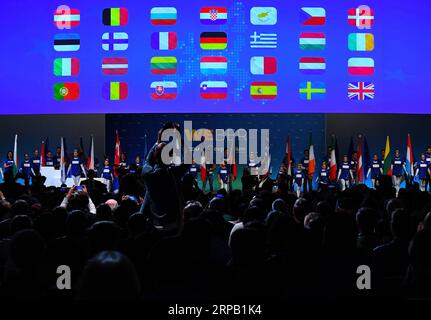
[{"x": 213, "y": 40}]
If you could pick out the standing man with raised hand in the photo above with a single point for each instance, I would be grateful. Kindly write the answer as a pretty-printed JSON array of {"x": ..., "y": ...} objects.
[
  {"x": 76, "y": 168},
  {"x": 422, "y": 171},
  {"x": 345, "y": 174},
  {"x": 398, "y": 169}
]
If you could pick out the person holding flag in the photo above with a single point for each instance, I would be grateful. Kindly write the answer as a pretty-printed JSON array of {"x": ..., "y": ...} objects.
[
  {"x": 76, "y": 168},
  {"x": 107, "y": 175},
  {"x": 333, "y": 164},
  {"x": 345, "y": 174},
  {"x": 300, "y": 176},
  {"x": 422, "y": 172},
  {"x": 311, "y": 165},
  {"x": 323, "y": 178},
  {"x": 398, "y": 168},
  {"x": 375, "y": 170}
]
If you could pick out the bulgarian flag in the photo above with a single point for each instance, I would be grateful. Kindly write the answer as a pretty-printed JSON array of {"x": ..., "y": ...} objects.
[
  {"x": 312, "y": 159},
  {"x": 409, "y": 157},
  {"x": 289, "y": 157},
  {"x": 387, "y": 161},
  {"x": 117, "y": 153},
  {"x": 90, "y": 158},
  {"x": 15, "y": 155},
  {"x": 360, "y": 161}
]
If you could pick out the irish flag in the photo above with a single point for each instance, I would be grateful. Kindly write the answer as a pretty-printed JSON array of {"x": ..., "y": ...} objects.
[
  {"x": 387, "y": 161},
  {"x": 312, "y": 163}
]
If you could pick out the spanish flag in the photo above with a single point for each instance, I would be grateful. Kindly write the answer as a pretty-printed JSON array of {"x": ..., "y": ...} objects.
[{"x": 387, "y": 161}]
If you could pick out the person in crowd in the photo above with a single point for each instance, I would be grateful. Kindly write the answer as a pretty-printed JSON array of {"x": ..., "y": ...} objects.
[
  {"x": 428, "y": 159},
  {"x": 345, "y": 174},
  {"x": 123, "y": 167},
  {"x": 35, "y": 163},
  {"x": 375, "y": 170},
  {"x": 209, "y": 177},
  {"x": 299, "y": 179},
  {"x": 76, "y": 168},
  {"x": 49, "y": 160},
  {"x": 323, "y": 178},
  {"x": 422, "y": 172},
  {"x": 398, "y": 168},
  {"x": 107, "y": 175}
]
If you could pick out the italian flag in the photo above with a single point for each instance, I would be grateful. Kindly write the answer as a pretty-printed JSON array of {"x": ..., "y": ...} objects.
[
  {"x": 387, "y": 161},
  {"x": 312, "y": 163}
]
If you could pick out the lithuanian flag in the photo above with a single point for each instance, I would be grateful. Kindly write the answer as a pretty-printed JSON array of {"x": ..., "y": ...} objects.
[{"x": 387, "y": 161}]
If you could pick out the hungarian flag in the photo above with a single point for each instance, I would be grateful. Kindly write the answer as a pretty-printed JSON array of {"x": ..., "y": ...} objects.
[
  {"x": 115, "y": 16},
  {"x": 289, "y": 157},
  {"x": 64, "y": 67},
  {"x": 213, "y": 40},
  {"x": 66, "y": 18},
  {"x": 409, "y": 157},
  {"x": 312, "y": 159},
  {"x": 387, "y": 161},
  {"x": 263, "y": 65},
  {"x": 312, "y": 41},
  {"x": 66, "y": 91},
  {"x": 359, "y": 166},
  {"x": 15, "y": 156},
  {"x": 90, "y": 158},
  {"x": 117, "y": 153}
]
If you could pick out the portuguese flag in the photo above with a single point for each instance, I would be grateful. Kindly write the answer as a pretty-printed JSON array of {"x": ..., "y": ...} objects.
[
  {"x": 66, "y": 91},
  {"x": 387, "y": 161}
]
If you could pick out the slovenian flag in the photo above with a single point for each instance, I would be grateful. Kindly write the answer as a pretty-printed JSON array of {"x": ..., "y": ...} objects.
[{"x": 214, "y": 90}]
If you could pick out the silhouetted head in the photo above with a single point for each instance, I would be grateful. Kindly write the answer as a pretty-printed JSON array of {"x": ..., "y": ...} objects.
[
  {"x": 26, "y": 249},
  {"x": 366, "y": 220},
  {"x": 19, "y": 223}
]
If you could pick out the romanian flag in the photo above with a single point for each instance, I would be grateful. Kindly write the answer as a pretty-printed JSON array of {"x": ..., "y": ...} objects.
[
  {"x": 115, "y": 91},
  {"x": 387, "y": 161}
]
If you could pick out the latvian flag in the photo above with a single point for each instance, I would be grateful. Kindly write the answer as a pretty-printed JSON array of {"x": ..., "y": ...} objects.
[
  {"x": 164, "y": 41},
  {"x": 66, "y": 18},
  {"x": 263, "y": 65},
  {"x": 361, "y": 91},
  {"x": 115, "y": 66},
  {"x": 64, "y": 67}
]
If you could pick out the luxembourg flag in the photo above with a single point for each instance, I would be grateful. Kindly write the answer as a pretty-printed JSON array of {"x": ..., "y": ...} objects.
[{"x": 409, "y": 156}]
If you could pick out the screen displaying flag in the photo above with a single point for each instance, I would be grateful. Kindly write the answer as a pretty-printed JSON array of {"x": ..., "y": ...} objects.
[
  {"x": 312, "y": 65},
  {"x": 213, "y": 65},
  {"x": 115, "y": 17},
  {"x": 164, "y": 16},
  {"x": 213, "y": 40},
  {"x": 213, "y": 15},
  {"x": 115, "y": 41},
  {"x": 361, "y": 66},
  {"x": 67, "y": 42},
  {"x": 263, "y": 65},
  {"x": 164, "y": 90},
  {"x": 64, "y": 67},
  {"x": 115, "y": 91},
  {"x": 214, "y": 90},
  {"x": 66, "y": 18},
  {"x": 361, "y": 42},
  {"x": 312, "y": 41},
  {"x": 164, "y": 40},
  {"x": 312, "y": 90},
  {"x": 164, "y": 65},
  {"x": 263, "y": 16},
  {"x": 313, "y": 16},
  {"x": 115, "y": 66},
  {"x": 263, "y": 40},
  {"x": 361, "y": 91},
  {"x": 66, "y": 91},
  {"x": 361, "y": 17},
  {"x": 263, "y": 90}
]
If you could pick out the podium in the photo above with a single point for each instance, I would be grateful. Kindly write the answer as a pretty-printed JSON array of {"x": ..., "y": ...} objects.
[{"x": 53, "y": 177}]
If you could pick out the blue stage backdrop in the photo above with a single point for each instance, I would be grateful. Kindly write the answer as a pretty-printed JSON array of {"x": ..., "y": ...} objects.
[{"x": 136, "y": 129}]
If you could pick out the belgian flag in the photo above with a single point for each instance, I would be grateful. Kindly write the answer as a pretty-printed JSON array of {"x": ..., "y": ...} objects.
[{"x": 115, "y": 17}]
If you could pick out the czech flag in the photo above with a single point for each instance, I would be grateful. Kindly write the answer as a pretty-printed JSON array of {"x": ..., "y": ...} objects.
[{"x": 313, "y": 16}]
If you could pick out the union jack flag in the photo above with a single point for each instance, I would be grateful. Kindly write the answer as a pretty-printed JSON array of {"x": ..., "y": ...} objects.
[{"x": 361, "y": 91}]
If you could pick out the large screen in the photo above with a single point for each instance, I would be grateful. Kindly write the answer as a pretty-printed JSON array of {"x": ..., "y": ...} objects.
[{"x": 218, "y": 56}]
